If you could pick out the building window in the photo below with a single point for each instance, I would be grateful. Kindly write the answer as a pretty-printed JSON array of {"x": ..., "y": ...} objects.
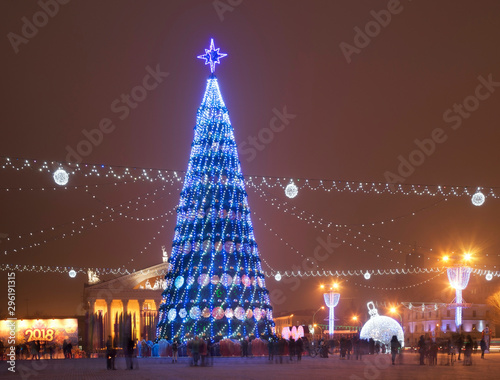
[
  {"x": 473, "y": 327},
  {"x": 474, "y": 313},
  {"x": 447, "y": 313},
  {"x": 447, "y": 327},
  {"x": 430, "y": 314},
  {"x": 487, "y": 313}
]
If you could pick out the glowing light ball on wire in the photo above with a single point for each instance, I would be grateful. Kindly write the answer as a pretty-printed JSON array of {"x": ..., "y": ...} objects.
[
  {"x": 72, "y": 273},
  {"x": 478, "y": 199},
  {"x": 367, "y": 275},
  {"x": 291, "y": 190},
  {"x": 381, "y": 328},
  {"x": 489, "y": 277},
  {"x": 277, "y": 277},
  {"x": 61, "y": 177}
]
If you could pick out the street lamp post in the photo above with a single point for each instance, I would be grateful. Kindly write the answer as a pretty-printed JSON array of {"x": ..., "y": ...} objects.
[
  {"x": 393, "y": 310},
  {"x": 459, "y": 276},
  {"x": 315, "y": 325},
  {"x": 321, "y": 308},
  {"x": 331, "y": 300}
]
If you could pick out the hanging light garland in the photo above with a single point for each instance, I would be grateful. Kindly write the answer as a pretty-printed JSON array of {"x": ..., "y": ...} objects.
[
  {"x": 302, "y": 274},
  {"x": 327, "y": 185},
  {"x": 397, "y": 287},
  {"x": 93, "y": 221},
  {"x": 316, "y": 222}
]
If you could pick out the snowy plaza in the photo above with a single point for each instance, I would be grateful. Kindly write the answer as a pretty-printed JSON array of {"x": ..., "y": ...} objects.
[{"x": 369, "y": 368}]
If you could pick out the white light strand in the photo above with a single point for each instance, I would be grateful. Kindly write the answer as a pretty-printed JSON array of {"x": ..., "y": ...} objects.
[
  {"x": 66, "y": 188},
  {"x": 397, "y": 287},
  {"x": 302, "y": 274},
  {"x": 358, "y": 272},
  {"x": 92, "y": 221},
  {"x": 326, "y": 224},
  {"x": 327, "y": 185},
  {"x": 292, "y": 248}
]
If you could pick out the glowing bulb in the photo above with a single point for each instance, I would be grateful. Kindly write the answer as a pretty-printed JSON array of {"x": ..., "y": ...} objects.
[
  {"x": 478, "y": 199},
  {"x": 277, "y": 277},
  {"x": 61, "y": 177},
  {"x": 489, "y": 277},
  {"x": 291, "y": 190},
  {"x": 72, "y": 273},
  {"x": 367, "y": 275},
  {"x": 446, "y": 258},
  {"x": 467, "y": 256}
]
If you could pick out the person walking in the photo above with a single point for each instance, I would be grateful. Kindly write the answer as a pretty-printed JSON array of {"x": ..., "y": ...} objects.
[
  {"x": 195, "y": 350},
  {"x": 460, "y": 344},
  {"x": 244, "y": 348},
  {"x": 483, "y": 347},
  {"x": 70, "y": 348},
  {"x": 110, "y": 354},
  {"x": 270, "y": 348},
  {"x": 421, "y": 349},
  {"x": 175, "y": 350},
  {"x": 299, "y": 347},
  {"x": 34, "y": 351},
  {"x": 291, "y": 348},
  {"x": 395, "y": 346},
  {"x": 129, "y": 352}
]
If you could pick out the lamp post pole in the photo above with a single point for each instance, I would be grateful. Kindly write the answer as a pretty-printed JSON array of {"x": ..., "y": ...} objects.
[{"x": 314, "y": 315}]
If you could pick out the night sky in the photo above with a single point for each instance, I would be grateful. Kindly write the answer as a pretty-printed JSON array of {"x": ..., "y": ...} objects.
[{"x": 358, "y": 104}]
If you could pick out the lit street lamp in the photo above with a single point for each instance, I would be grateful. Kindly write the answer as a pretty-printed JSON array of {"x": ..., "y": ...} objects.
[
  {"x": 319, "y": 328},
  {"x": 459, "y": 276},
  {"x": 331, "y": 300},
  {"x": 394, "y": 310}
]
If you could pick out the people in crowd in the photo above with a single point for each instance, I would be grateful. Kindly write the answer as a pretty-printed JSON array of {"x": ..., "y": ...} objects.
[
  {"x": 421, "y": 349},
  {"x": 395, "y": 347},
  {"x": 244, "y": 348},
  {"x": 175, "y": 350},
  {"x": 110, "y": 354},
  {"x": 483, "y": 347},
  {"x": 270, "y": 348},
  {"x": 291, "y": 348},
  {"x": 299, "y": 347}
]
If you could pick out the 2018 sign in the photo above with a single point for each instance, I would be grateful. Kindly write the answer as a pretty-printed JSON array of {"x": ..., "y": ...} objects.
[{"x": 40, "y": 334}]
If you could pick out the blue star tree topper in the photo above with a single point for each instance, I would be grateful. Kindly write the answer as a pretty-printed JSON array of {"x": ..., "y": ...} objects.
[{"x": 212, "y": 56}]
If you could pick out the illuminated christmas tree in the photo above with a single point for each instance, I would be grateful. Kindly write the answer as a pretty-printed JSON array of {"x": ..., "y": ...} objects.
[{"x": 215, "y": 284}]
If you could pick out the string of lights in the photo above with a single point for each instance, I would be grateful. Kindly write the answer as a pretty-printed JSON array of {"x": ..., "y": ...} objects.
[
  {"x": 398, "y": 287},
  {"x": 86, "y": 217},
  {"x": 292, "y": 248},
  {"x": 62, "y": 171},
  {"x": 309, "y": 218},
  {"x": 358, "y": 272},
  {"x": 75, "y": 187},
  {"x": 303, "y": 274},
  {"x": 122, "y": 210},
  {"x": 478, "y": 194}
]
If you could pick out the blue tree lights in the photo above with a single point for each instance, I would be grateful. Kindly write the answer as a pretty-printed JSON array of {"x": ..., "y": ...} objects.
[{"x": 215, "y": 284}]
